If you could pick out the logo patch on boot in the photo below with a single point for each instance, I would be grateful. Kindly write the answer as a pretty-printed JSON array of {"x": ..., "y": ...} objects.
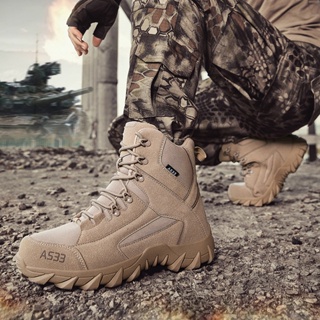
[
  {"x": 53, "y": 256},
  {"x": 172, "y": 170}
]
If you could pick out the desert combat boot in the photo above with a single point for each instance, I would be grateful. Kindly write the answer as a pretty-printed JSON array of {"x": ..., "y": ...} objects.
[
  {"x": 265, "y": 164},
  {"x": 150, "y": 213}
]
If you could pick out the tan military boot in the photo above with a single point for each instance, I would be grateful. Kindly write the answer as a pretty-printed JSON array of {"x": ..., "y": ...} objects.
[
  {"x": 266, "y": 164},
  {"x": 151, "y": 213}
]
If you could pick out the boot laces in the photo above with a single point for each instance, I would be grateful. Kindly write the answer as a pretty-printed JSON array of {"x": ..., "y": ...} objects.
[{"x": 126, "y": 170}]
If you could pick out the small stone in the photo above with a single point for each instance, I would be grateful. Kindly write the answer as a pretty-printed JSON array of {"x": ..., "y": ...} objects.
[
  {"x": 47, "y": 314},
  {"x": 41, "y": 203},
  {"x": 4, "y": 204},
  {"x": 93, "y": 193},
  {"x": 82, "y": 165},
  {"x": 22, "y": 206},
  {"x": 91, "y": 170},
  {"x": 27, "y": 221},
  {"x": 281, "y": 308},
  {"x": 296, "y": 241},
  {"x": 311, "y": 300},
  {"x": 111, "y": 304},
  {"x": 292, "y": 292},
  {"x": 56, "y": 191},
  {"x": 71, "y": 164}
]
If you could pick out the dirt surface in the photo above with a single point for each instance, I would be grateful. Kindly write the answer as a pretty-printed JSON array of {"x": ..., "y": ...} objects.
[{"x": 267, "y": 259}]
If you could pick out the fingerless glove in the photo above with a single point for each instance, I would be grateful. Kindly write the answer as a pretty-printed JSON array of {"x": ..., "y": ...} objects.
[{"x": 85, "y": 12}]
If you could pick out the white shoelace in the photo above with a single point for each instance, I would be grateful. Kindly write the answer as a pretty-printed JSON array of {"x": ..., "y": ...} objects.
[{"x": 126, "y": 170}]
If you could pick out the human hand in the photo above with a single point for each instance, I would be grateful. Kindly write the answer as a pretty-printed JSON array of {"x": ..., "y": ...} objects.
[
  {"x": 85, "y": 12},
  {"x": 80, "y": 46}
]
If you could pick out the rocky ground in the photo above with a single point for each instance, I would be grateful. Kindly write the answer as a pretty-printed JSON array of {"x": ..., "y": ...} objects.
[{"x": 267, "y": 260}]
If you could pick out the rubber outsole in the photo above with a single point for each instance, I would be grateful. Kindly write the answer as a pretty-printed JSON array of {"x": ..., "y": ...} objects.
[
  {"x": 174, "y": 258},
  {"x": 278, "y": 182}
]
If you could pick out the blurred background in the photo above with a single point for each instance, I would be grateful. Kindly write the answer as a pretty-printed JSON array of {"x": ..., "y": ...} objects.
[{"x": 35, "y": 32}]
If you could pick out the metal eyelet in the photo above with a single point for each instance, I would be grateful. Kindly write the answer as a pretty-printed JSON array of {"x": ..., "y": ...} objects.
[
  {"x": 114, "y": 210},
  {"x": 116, "y": 213},
  {"x": 142, "y": 160},
  {"x": 127, "y": 197},
  {"x": 139, "y": 177},
  {"x": 145, "y": 143},
  {"x": 129, "y": 200}
]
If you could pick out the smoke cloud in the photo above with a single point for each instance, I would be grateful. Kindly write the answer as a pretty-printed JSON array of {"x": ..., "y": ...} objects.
[{"x": 57, "y": 44}]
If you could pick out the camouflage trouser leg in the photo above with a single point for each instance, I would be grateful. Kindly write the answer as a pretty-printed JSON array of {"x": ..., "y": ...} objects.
[
  {"x": 262, "y": 81},
  {"x": 166, "y": 57},
  {"x": 269, "y": 82}
]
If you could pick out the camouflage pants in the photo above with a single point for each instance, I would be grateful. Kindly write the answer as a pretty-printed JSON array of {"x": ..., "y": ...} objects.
[{"x": 261, "y": 85}]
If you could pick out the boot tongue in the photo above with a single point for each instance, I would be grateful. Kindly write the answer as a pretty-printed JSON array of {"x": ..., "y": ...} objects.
[{"x": 129, "y": 139}]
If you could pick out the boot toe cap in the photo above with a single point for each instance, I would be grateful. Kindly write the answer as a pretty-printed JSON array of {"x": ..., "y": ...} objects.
[
  {"x": 240, "y": 193},
  {"x": 37, "y": 256}
]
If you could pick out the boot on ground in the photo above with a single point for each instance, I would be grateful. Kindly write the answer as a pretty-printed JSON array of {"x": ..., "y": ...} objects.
[
  {"x": 150, "y": 213},
  {"x": 265, "y": 164}
]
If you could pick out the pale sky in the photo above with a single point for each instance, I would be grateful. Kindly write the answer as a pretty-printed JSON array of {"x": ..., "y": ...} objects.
[{"x": 22, "y": 22}]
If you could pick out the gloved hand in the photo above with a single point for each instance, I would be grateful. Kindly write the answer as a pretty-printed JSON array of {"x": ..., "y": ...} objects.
[{"x": 86, "y": 12}]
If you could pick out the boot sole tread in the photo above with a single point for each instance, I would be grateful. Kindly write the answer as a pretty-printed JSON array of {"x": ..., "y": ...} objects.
[
  {"x": 288, "y": 167},
  {"x": 174, "y": 258}
]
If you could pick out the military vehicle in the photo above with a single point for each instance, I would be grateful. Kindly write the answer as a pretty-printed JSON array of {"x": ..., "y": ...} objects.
[{"x": 33, "y": 95}]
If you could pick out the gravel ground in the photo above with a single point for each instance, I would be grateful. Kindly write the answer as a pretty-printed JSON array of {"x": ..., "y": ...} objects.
[{"x": 267, "y": 260}]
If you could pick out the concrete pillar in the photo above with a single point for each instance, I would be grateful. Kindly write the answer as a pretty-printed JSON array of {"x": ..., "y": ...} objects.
[
  {"x": 107, "y": 80},
  {"x": 100, "y": 72},
  {"x": 89, "y": 104},
  {"x": 313, "y": 153}
]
